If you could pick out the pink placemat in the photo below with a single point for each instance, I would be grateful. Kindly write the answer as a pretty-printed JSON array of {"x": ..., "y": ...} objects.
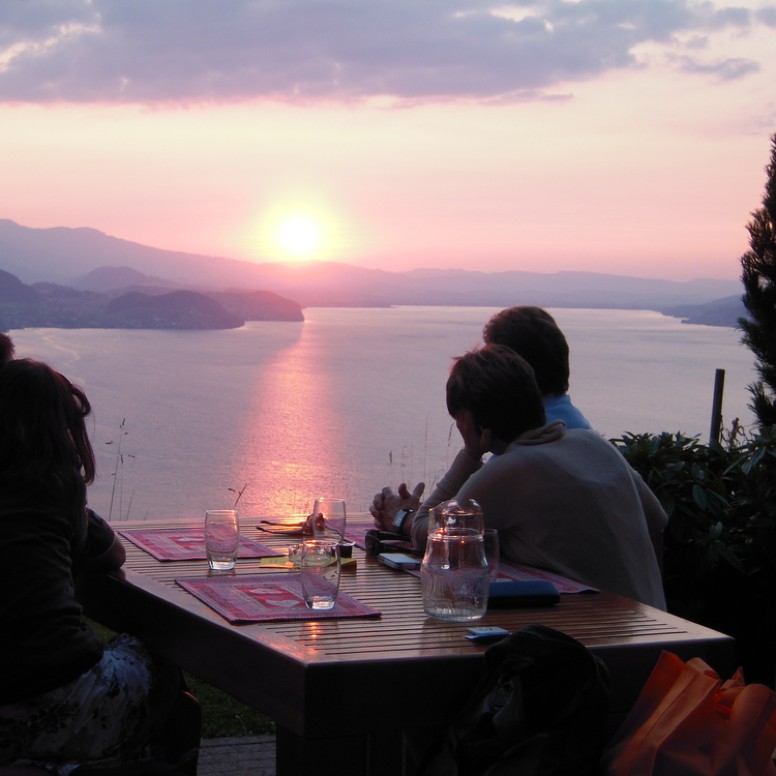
[
  {"x": 266, "y": 598},
  {"x": 187, "y": 544}
]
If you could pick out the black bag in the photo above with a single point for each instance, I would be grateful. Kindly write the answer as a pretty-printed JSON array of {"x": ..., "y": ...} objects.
[{"x": 539, "y": 710}]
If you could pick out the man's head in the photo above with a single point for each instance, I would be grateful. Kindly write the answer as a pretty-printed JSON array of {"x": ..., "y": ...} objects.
[
  {"x": 499, "y": 389},
  {"x": 533, "y": 334}
]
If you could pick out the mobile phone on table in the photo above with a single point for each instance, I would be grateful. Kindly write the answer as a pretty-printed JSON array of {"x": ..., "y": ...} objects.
[
  {"x": 487, "y": 633},
  {"x": 399, "y": 560}
]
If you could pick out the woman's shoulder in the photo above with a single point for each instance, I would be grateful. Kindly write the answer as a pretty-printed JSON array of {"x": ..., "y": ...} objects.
[{"x": 23, "y": 500}]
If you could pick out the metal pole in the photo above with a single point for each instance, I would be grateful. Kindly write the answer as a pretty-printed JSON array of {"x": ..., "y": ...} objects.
[{"x": 716, "y": 407}]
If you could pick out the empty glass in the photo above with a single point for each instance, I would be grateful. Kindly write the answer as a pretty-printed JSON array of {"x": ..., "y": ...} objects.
[
  {"x": 320, "y": 573},
  {"x": 295, "y": 554},
  {"x": 492, "y": 552},
  {"x": 222, "y": 538},
  {"x": 328, "y": 518}
]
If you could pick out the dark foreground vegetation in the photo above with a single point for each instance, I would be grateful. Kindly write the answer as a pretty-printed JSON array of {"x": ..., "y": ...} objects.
[{"x": 720, "y": 543}]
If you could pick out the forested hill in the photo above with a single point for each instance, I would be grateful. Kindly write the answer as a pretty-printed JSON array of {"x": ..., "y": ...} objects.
[
  {"x": 720, "y": 312},
  {"x": 58, "y": 306}
]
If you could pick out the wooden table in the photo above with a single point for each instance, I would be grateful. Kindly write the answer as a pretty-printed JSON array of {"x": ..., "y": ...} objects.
[{"x": 351, "y": 689}]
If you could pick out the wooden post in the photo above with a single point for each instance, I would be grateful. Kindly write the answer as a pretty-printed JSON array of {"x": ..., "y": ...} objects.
[{"x": 716, "y": 407}]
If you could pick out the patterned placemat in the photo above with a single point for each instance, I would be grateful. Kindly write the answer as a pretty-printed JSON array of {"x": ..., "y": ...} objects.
[
  {"x": 267, "y": 598},
  {"x": 187, "y": 544}
]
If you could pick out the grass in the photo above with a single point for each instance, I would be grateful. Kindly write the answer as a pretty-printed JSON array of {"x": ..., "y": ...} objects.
[{"x": 223, "y": 716}]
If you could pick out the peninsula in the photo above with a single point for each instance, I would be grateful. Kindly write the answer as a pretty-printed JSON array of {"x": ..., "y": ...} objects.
[{"x": 50, "y": 305}]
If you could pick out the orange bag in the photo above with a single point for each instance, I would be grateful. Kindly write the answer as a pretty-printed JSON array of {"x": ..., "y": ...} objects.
[{"x": 686, "y": 722}]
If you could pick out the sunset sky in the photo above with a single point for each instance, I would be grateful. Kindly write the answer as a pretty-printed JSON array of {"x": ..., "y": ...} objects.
[{"x": 623, "y": 136}]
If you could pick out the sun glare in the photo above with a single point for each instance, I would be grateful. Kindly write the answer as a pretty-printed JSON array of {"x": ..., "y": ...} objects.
[
  {"x": 298, "y": 237},
  {"x": 298, "y": 229}
]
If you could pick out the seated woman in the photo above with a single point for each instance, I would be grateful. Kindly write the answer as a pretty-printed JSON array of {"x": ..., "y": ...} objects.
[
  {"x": 6, "y": 349},
  {"x": 65, "y": 698},
  {"x": 562, "y": 500}
]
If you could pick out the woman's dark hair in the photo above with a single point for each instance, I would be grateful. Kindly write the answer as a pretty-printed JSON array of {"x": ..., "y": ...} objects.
[
  {"x": 43, "y": 439},
  {"x": 6, "y": 349},
  {"x": 533, "y": 334},
  {"x": 498, "y": 387}
]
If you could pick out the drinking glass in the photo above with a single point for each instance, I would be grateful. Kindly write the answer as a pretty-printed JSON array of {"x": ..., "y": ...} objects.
[
  {"x": 295, "y": 554},
  {"x": 320, "y": 573},
  {"x": 328, "y": 518},
  {"x": 222, "y": 538},
  {"x": 492, "y": 552}
]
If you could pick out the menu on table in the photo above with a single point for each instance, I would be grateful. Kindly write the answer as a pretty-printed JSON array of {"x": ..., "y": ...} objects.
[
  {"x": 187, "y": 544},
  {"x": 267, "y": 598},
  {"x": 517, "y": 573}
]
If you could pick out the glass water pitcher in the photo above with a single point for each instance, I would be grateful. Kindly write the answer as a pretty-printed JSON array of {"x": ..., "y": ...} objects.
[{"x": 454, "y": 571}]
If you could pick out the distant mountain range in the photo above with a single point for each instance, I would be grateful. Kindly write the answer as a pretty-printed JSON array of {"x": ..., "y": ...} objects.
[{"x": 88, "y": 261}]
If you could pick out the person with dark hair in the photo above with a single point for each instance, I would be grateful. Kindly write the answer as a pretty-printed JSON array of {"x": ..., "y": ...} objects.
[
  {"x": 6, "y": 349},
  {"x": 66, "y": 699},
  {"x": 562, "y": 500},
  {"x": 533, "y": 334}
]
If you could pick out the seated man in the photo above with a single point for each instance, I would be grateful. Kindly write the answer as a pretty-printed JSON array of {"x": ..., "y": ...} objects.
[
  {"x": 562, "y": 500},
  {"x": 533, "y": 334}
]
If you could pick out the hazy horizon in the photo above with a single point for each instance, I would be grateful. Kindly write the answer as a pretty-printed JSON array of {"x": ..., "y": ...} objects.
[
  {"x": 301, "y": 264},
  {"x": 618, "y": 138}
]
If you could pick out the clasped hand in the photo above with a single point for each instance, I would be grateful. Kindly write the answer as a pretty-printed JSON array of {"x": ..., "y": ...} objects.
[{"x": 387, "y": 503}]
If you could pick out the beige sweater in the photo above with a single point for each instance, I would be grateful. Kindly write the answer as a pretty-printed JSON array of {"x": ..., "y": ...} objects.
[{"x": 568, "y": 502}]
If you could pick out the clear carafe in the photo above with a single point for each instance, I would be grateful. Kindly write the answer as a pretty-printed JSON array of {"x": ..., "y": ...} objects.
[{"x": 454, "y": 571}]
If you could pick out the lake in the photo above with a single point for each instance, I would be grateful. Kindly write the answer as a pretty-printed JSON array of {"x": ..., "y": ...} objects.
[{"x": 348, "y": 401}]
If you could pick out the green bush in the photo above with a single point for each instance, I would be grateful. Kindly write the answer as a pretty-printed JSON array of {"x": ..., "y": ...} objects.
[{"x": 719, "y": 565}]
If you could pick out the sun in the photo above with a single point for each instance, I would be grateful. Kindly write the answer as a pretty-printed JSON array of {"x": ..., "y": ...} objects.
[
  {"x": 298, "y": 236},
  {"x": 301, "y": 229}
]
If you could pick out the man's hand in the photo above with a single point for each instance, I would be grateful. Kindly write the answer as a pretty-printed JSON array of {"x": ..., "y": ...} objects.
[{"x": 387, "y": 503}]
